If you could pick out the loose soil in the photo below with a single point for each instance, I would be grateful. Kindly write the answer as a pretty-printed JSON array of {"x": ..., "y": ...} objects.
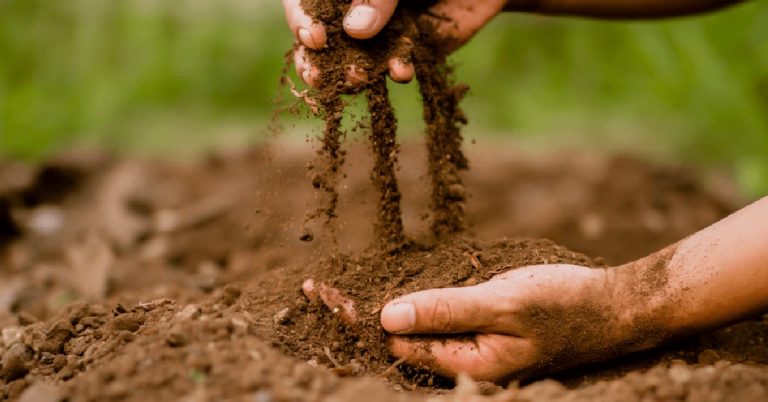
[
  {"x": 314, "y": 332},
  {"x": 155, "y": 280},
  {"x": 349, "y": 66}
]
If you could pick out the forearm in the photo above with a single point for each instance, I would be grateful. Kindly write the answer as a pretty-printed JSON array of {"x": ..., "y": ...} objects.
[
  {"x": 619, "y": 9},
  {"x": 712, "y": 278}
]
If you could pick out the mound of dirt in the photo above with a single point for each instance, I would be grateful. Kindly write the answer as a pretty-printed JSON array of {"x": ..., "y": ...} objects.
[
  {"x": 147, "y": 280},
  {"x": 312, "y": 331}
]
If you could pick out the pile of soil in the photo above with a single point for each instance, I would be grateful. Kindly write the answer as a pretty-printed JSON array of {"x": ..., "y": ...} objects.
[
  {"x": 314, "y": 332},
  {"x": 144, "y": 280}
]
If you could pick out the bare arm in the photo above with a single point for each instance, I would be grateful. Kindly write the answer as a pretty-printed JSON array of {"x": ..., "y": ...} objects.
[
  {"x": 620, "y": 9},
  {"x": 715, "y": 276},
  {"x": 547, "y": 318}
]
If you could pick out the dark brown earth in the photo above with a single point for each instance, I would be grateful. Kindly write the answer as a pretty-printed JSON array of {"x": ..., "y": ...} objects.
[
  {"x": 146, "y": 280},
  {"x": 314, "y": 332}
]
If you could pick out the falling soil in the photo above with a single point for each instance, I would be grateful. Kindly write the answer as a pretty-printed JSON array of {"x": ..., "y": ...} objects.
[
  {"x": 156, "y": 280},
  {"x": 410, "y": 38},
  {"x": 389, "y": 225}
]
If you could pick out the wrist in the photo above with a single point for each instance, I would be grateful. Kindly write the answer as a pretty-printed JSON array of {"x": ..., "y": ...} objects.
[{"x": 642, "y": 298}]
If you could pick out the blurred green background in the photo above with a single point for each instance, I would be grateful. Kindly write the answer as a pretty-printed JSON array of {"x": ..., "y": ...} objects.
[{"x": 174, "y": 77}]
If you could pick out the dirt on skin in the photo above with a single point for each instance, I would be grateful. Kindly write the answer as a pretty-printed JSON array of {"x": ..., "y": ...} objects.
[
  {"x": 349, "y": 66},
  {"x": 314, "y": 332},
  {"x": 143, "y": 280}
]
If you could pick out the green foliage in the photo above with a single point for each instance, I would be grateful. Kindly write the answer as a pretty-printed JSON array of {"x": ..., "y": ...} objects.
[
  {"x": 694, "y": 87},
  {"x": 173, "y": 75},
  {"x": 105, "y": 71}
]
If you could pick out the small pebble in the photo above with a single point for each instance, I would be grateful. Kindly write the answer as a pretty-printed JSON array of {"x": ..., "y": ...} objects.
[{"x": 283, "y": 316}]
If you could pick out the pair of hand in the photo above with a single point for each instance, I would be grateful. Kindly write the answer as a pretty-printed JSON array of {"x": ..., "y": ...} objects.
[
  {"x": 456, "y": 21},
  {"x": 527, "y": 321}
]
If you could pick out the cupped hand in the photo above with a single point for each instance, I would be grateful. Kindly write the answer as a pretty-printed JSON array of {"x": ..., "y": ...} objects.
[
  {"x": 525, "y": 322},
  {"x": 456, "y": 21}
]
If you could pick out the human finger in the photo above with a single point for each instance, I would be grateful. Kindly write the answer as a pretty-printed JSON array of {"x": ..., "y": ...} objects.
[
  {"x": 459, "y": 20},
  {"x": 366, "y": 18},
  {"x": 304, "y": 69},
  {"x": 443, "y": 311},
  {"x": 400, "y": 70},
  {"x": 332, "y": 298},
  {"x": 493, "y": 358},
  {"x": 310, "y": 290},
  {"x": 311, "y": 34},
  {"x": 399, "y": 65}
]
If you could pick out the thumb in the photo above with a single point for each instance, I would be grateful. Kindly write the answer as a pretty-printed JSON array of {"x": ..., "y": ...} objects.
[
  {"x": 441, "y": 311},
  {"x": 366, "y": 18}
]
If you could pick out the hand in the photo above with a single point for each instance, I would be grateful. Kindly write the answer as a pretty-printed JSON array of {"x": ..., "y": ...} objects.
[
  {"x": 456, "y": 21},
  {"x": 528, "y": 321}
]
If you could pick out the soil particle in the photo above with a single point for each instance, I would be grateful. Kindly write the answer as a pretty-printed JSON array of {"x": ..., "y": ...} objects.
[
  {"x": 127, "y": 322},
  {"x": 389, "y": 225},
  {"x": 15, "y": 360},
  {"x": 443, "y": 119},
  {"x": 50, "y": 340},
  {"x": 408, "y": 37}
]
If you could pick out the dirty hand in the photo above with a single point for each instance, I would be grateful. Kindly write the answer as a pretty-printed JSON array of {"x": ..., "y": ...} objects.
[
  {"x": 456, "y": 20},
  {"x": 528, "y": 321}
]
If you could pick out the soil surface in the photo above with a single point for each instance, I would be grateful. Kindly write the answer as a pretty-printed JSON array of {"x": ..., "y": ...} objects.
[{"x": 156, "y": 280}]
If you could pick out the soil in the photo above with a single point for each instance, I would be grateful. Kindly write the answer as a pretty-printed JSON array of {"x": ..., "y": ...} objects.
[
  {"x": 314, "y": 332},
  {"x": 157, "y": 280},
  {"x": 409, "y": 37}
]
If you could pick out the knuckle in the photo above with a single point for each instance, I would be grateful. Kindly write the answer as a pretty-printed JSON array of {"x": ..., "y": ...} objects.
[{"x": 441, "y": 316}]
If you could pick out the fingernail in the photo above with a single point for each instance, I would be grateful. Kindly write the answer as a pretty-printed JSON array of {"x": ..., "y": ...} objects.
[
  {"x": 398, "y": 318},
  {"x": 306, "y": 77},
  {"x": 361, "y": 18},
  {"x": 306, "y": 38}
]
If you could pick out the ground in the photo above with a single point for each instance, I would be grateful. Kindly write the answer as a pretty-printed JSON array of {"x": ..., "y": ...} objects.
[{"x": 127, "y": 279}]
